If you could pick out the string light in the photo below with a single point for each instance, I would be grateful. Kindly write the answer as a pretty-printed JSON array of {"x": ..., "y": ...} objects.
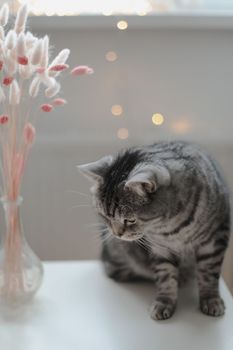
[
  {"x": 157, "y": 119},
  {"x": 107, "y": 13},
  {"x": 111, "y": 56},
  {"x": 142, "y": 13},
  {"x": 106, "y": 8},
  {"x": 123, "y": 133},
  {"x": 49, "y": 12},
  {"x": 122, "y": 25},
  {"x": 117, "y": 110}
]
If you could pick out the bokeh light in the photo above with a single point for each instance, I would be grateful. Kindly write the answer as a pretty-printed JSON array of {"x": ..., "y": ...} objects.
[
  {"x": 157, "y": 119},
  {"x": 123, "y": 133},
  {"x": 111, "y": 56},
  {"x": 122, "y": 25},
  {"x": 117, "y": 110}
]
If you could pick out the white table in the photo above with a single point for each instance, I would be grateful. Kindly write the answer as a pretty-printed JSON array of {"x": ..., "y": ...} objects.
[{"x": 79, "y": 308}]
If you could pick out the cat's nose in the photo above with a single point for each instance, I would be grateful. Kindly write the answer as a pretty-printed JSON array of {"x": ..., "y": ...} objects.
[
  {"x": 120, "y": 233},
  {"x": 118, "y": 230}
]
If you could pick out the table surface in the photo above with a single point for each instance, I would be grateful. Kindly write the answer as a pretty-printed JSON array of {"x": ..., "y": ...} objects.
[{"x": 79, "y": 308}]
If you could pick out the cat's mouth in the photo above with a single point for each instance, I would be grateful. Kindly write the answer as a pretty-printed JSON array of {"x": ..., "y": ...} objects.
[{"x": 130, "y": 236}]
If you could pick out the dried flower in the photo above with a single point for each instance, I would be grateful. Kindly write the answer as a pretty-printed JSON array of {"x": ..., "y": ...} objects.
[
  {"x": 82, "y": 70},
  {"x": 52, "y": 90},
  {"x": 40, "y": 70},
  {"x": 26, "y": 71},
  {"x": 59, "y": 67},
  {"x": 2, "y": 33},
  {"x": 45, "y": 55},
  {"x": 4, "y": 15},
  {"x": 4, "y": 119},
  {"x": 10, "y": 40},
  {"x": 2, "y": 95},
  {"x": 24, "y": 56},
  {"x": 46, "y": 107},
  {"x": 12, "y": 54},
  {"x": 21, "y": 19},
  {"x": 23, "y": 60},
  {"x": 34, "y": 87},
  {"x": 61, "y": 58},
  {"x": 37, "y": 52},
  {"x": 21, "y": 50},
  {"x": 7, "y": 80},
  {"x": 29, "y": 134},
  {"x": 30, "y": 40},
  {"x": 59, "y": 102},
  {"x": 14, "y": 93},
  {"x": 47, "y": 80},
  {"x": 10, "y": 63}
]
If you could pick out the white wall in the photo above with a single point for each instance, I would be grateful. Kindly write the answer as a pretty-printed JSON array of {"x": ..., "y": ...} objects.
[{"x": 185, "y": 74}]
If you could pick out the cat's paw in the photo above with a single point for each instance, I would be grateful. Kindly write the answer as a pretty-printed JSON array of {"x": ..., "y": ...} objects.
[
  {"x": 212, "y": 306},
  {"x": 162, "y": 310}
]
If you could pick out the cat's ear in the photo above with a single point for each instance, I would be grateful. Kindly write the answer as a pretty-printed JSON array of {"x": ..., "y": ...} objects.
[
  {"x": 94, "y": 171},
  {"x": 147, "y": 179}
]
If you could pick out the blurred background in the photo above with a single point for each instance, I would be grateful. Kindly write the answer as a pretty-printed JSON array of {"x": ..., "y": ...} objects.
[{"x": 163, "y": 71}]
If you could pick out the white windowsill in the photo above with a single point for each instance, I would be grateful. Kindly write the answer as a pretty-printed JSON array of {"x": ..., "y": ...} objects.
[{"x": 179, "y": 20}]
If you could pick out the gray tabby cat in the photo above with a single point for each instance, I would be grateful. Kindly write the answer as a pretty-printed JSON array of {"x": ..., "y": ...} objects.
[{"x": 167, "y": 209}]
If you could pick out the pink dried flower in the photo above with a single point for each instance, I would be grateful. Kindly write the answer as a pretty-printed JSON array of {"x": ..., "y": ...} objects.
[
  {"x": 40, "y": 70},
  {"x": 46, "y": 107},
  {"x": 7, "y": 80},
  {"x": 4, "y": 119},
  {"x": 59, "y": 102},
  {"x": 1, "y": 65},
  {"x": 23, "y": 60},
  {"x": 59, "y": 67},
  {"x": 82, "y": 70},
  {"x": 29, "y": 133},
  {"x": 61, "y": 57}
]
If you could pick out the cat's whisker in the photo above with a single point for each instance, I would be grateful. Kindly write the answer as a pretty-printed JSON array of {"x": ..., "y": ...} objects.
[
  {"x": 108, "y": 238},
  {"x": 80, "y": 206},
  {"x": 96, "y": 224},
  {"x": 80, "y": 193},
  {"x": 100, "y": 229}
]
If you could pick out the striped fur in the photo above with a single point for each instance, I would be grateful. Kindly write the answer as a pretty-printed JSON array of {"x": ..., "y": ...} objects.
[{"x": 167, "y": 209}]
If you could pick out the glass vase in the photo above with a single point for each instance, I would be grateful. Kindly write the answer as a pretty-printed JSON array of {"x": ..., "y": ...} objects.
[{"x": 21, "y": 271}]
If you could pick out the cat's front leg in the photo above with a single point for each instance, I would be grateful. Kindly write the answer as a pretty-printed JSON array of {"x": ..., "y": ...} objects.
[
  {"x": 209, "y": 259},
  {"x": 166, "y": 282}
]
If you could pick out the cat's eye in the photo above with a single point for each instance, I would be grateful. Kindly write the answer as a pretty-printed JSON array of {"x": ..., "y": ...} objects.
[{"x": 129, "y": 221}]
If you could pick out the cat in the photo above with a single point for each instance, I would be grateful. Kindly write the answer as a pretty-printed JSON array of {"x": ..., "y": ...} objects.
[{"x": 166, "y": 209}]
